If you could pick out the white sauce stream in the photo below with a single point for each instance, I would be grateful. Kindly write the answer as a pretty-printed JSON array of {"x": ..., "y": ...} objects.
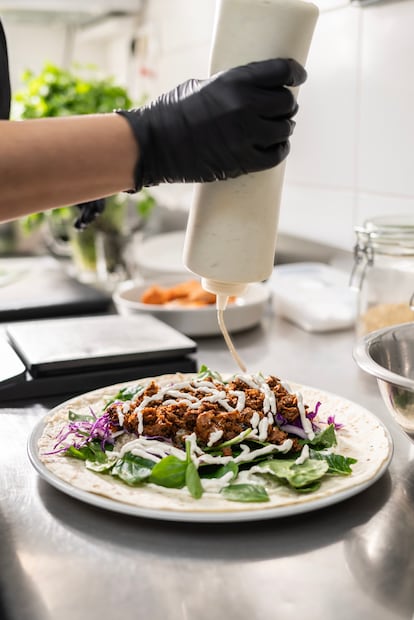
[{"x": 228, "y": 340}]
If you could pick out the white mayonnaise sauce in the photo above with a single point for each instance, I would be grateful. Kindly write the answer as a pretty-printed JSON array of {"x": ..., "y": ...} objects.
[
  {"x": 307, "y": 424},
  {"x": 145, "y": 447},
  {"x": 214, "y": 437},
  {"x": 303, "y": 456},
  {"x": 228, "y": 340},
  {"x": 214, "y": 485}
]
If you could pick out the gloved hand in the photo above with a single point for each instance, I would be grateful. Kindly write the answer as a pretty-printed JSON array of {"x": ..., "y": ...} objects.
[
  {"x": 236, "y": 122},
  {"x": 89, "y": 211}
]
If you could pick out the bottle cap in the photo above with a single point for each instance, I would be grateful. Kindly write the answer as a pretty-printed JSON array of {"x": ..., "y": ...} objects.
[{"x": 227, "y": 289}]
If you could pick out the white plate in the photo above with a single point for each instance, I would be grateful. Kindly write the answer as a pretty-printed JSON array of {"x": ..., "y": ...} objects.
[
  {"x": 376, "y": 457},
  {"x": 244, "y": 313}
]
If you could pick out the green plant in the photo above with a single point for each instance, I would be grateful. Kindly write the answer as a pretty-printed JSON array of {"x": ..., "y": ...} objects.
[{"x": 62, "y": 92}]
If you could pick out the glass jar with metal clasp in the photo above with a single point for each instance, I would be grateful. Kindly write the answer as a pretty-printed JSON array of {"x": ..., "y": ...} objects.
[{"x": 383, "y": 272}]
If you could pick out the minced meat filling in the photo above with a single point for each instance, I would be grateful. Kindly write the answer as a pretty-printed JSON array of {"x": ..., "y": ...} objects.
[{"x": 216, "y": 412}]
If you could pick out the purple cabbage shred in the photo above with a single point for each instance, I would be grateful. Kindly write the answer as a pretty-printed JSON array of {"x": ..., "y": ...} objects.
[
  {"x": 85, "y": 431},
  {"x": 331, "y": 420}
]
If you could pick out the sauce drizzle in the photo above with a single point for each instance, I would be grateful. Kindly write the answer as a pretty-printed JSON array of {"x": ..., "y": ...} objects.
[{"x": 228, "y": 340}]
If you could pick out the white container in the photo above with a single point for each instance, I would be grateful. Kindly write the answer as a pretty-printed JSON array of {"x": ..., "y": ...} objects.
[{"x": 232, "y": 227}]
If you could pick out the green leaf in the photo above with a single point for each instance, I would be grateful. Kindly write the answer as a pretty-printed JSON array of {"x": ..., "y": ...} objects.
[
  {"x": 307, "y": 473},
  {"x": 60, "y": 92},
  {"x": 245, "y": 493},
  {"x": 126, "y": 393},
  {"x": 192, "y": 481},
  {"x": 98, "y": 467},
  {"x": 92, "y": 451},
  {"x": 132, "y": 469},
  {"x": 205, "y": 372},
  {"x": 169, "y": 472},
  {"x": 145, "y": 204},
  {"x": 297, "y": 475},
  {"x": 338, "y": 464},
  {"x": 32, "y": 222},
  {"x": 238, "y": 439},
  {"x": 219, "y": 472},
  {"x": 79, "y": 453},
  {"x": 310, "y": 488},
  {"x": 96, "y": 451},
  {"x": 325, "y": 439},
  {"x": 72, "y": 416}
]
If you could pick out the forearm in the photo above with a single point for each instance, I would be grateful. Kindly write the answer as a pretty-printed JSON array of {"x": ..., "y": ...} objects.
[{"x": 46, "y": 163}]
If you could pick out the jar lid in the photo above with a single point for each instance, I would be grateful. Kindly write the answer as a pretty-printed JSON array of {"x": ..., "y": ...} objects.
[{"x": 389, "y": 234}]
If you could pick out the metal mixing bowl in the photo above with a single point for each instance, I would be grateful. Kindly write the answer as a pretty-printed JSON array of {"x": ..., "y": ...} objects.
[{"x": 388, "y": 355}]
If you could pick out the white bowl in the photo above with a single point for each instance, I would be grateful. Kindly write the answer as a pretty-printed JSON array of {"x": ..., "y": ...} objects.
[{"x": 245, "y": 312}]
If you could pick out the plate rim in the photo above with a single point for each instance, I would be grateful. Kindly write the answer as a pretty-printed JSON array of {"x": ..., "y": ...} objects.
[{"x": 257, "y": 514}]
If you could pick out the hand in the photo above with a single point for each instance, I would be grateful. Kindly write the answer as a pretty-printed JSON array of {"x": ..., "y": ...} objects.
[
  {"x": 236, "y": 122},
  {"x": 89, "y": 211}
]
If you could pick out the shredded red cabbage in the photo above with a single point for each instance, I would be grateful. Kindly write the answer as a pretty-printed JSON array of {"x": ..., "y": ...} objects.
[
  {"x": 312, "y": 414},
  {"x": 331, "y": 420},
  {"x": 85, "y": 431}
]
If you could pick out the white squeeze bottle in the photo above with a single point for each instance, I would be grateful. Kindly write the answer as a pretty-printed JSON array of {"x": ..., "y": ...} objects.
[{"x": 232, "y": 226}]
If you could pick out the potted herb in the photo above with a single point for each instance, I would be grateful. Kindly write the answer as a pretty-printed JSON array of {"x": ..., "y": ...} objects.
[{"x": 96, "y": 251}]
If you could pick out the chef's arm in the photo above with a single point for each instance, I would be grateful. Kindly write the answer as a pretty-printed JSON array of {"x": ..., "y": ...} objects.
[
  {"x": 51, "y": 162},
  {"x": 236, "y": 122}
]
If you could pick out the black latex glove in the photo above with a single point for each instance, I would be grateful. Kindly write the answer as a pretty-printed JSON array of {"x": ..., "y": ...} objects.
[
  {"x": 89, "y": 211},
  {"x": 236, "y": 122}
]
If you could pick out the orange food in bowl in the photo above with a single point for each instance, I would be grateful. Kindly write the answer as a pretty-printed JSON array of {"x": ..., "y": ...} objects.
[{"x": 189, "y": 293}]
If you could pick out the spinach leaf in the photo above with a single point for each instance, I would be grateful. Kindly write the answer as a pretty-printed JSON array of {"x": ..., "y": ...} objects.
[
  {"x": 73, "y": 416},
  {"x": 245, "y": 493},
  {"x": 92, "y": 451},
  {"x": 132, "y": 469},
  {"x": 82, "y": 454},
  {"x": 338, "y": 464},
  {"x": 169, "y": 472},
  {"x": 218, "y": 472},
  {"x": 238, "y": 439},
  {"x": 310, "y": 488},
  {"x": 325, "y": 439},
  {"x": 307, "y": 473},
  {"x": 126, "y": 393},
  {"x": 192, "y": 481},
  {"x": 297, "y": 475},
  {"x": 205, "y": 372},
  {"x": 101, "y": 468}
]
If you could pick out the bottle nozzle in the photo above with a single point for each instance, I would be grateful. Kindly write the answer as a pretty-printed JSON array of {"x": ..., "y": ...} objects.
[{"x": 225, "y": 289}]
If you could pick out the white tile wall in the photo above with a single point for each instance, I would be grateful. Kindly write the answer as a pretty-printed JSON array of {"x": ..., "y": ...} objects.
[
  {"x": 323, "y": 145},
  {"x": 371, "y": 205},
  {"x": 318, "y": 214},
  {"x": 386, "y": 145},
  {"x": 181, "y": 34}
]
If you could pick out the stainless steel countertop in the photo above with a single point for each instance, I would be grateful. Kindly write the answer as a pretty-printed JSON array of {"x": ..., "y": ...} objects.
[{"x": 63, "y": 559}]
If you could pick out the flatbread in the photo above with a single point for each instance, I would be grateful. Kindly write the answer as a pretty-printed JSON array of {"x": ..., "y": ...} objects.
[{"x": 362, "y": 437}]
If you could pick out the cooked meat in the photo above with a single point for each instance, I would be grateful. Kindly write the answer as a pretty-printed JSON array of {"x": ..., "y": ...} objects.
[{"x": 215, "y": 411}]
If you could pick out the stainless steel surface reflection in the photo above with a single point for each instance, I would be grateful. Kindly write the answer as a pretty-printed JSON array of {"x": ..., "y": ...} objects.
[
  {"x": 388, "y": 355},
  {"x": 380, "y": 553},
  {"x": 62, "y": 559}
]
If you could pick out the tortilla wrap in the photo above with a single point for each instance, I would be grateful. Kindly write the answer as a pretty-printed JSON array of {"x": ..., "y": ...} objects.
[{"x": 362, "y": 437}]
